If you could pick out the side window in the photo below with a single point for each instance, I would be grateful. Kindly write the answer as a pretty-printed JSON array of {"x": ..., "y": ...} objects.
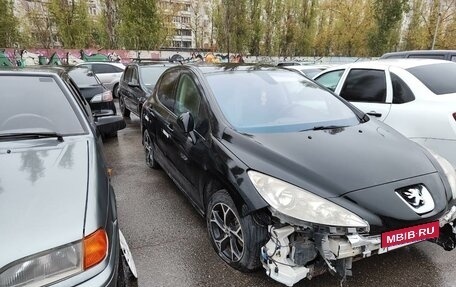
[
  {"x": 134, "y": 76},
  {"x": 127, "y": 74},
  {"x": 330, "y": 79},
  {"x": 401, "y": 91},
  {"x": 429, "y": 56},
  {"x": 165, "y": 90},
  {"x": 453, "y": 58},
  {"x": 364, "y": 85},
  {"x": 103, "y": 69},
  {"x": 188, "y": 98}
]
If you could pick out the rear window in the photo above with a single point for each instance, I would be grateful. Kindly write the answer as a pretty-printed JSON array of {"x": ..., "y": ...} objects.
[
  {"x": 36, "y": 104},
  {"x": 150, "y": 75},
  {"x": 439, "y": 78}
]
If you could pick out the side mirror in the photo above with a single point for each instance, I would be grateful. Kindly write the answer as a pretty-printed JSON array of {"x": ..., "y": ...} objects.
[
  {"x": 187, "y": 124},
  {"x": 109, "y": 125}
]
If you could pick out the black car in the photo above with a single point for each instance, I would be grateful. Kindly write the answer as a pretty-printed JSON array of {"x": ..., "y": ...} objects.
[
  {"x": 136, "y": 85},
  {"x": 291, "y": 176},
  {"x": 100, "y": 99},
  {"x": 58, "y": 214}
]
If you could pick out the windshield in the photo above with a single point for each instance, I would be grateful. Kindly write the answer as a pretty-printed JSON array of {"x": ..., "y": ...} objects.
[
  {"x": 277, "y": 101},
  {"x": 150, "y": 74},
  {"x": 83, "y": 77},
  {"x": 35, "y": 104},
  {"x": 439, "y": 78}
]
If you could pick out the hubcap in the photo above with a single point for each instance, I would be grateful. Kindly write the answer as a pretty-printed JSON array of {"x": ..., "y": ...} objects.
[{"x": 226, "y": 232}]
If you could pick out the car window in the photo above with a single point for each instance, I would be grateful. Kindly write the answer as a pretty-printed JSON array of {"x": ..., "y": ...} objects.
[
  {"x": 83, "y": 77},
  {"x": 439, "y": 78},
  {"x": 276, "y": 101},
  {"x": 330, "y": 79},
  {"x": 427, "y": 56},
  {"x": 364, "y": 85},
  {"x": 453, "y": 58},
  {"x": 187, "y": 97},
  {"x": 150, "y": 74},
  {"x": 36, "y": 104},
  {"x": 165, "y": 91},
  {"x": 128, "y": 74},
  {"x": 134, "y": 77},
  {"x": 401, "y": 91},
  {"x": 105, "y": 69}
]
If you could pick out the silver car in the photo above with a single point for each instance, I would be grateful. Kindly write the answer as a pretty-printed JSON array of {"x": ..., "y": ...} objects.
[
  {"x": 109, "y": 73},
  {"x": 58, "y": 216}
]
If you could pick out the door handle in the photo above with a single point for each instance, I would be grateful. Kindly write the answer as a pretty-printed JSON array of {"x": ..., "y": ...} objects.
[
  {"x": 374, "y": 114},
  {"x": 170, "y": 127}
]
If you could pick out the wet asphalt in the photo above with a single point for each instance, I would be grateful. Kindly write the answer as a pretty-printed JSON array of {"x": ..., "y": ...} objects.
[{"x": 170, "y": 245}]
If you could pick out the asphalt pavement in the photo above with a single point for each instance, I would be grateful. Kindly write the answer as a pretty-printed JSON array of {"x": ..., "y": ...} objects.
[{"x": 170, "y": 245}]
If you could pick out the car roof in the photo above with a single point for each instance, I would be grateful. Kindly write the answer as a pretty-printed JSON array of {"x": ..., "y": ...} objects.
[
  {"x": 117, "y": 64},
  {"x": 419, "y": 52},
  {"x": 233, "y": 67},
  {"x": 33, "y": 70},
  {"x": 385, "y": 63}
]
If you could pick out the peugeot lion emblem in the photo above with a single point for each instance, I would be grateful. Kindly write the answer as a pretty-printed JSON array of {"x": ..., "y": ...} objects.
[{"x": 417, "y": 197}]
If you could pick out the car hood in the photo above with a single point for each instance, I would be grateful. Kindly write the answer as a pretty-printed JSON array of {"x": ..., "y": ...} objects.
[
  {"x": 331, "y": 163},
  {"x": 43, "y": 190}
]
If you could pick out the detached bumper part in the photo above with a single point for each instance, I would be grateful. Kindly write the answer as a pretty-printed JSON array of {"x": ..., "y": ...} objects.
[{"x": 275, "y": 258}]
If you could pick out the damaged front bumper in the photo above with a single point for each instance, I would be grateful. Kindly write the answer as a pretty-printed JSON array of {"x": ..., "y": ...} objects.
[{"x": 295, "y": 252}]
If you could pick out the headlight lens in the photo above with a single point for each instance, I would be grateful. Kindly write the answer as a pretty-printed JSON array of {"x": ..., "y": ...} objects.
[
  {"x": 45, "y": 268},
  {"x": 301, "y": 204},
  {"x": 449, "y": 171}
]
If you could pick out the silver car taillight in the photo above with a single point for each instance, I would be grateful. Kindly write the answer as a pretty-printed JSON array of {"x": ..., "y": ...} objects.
[{"x": 103, "y": 97}]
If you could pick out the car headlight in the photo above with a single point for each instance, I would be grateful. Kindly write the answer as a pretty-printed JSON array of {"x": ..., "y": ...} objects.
[
  {"x": 45, "y": 268},
  {"x": 303, "y": 205},
  {"x": 57, "y": 263},
  {"x": 449, "y": 171}
]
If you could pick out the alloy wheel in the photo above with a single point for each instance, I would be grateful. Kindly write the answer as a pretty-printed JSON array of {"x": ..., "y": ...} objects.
[
  {"x": 148, "y": 149},
  {"x": 226, "y": 232}
]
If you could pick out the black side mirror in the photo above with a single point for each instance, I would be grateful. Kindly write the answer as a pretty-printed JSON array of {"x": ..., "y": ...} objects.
[
  {"x": 109, "y": 125},
  {"x": 187, "y": 124}
]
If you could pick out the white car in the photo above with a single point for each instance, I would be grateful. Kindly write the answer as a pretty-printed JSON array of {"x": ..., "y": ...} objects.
[
  {"x": 309, "y": 71},
  {"x": 109, "y": 73},
  {"x": 415, "y": 97}
]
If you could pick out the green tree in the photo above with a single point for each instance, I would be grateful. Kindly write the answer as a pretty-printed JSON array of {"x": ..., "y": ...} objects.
[
  {"x": 141, "y": 25},
  {"x": 387, "y": 16},
  {"x": 9, "y": 32},
  {"x": 74, "y": 26}
]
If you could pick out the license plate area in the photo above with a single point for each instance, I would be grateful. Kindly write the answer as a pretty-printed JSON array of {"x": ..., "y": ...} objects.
[{"x": 410, "y": 235}]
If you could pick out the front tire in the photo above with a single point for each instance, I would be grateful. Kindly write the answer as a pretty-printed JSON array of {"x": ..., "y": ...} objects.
[
  {"x": 123, "y": 109},
  {"x": 237, "y": 240}
]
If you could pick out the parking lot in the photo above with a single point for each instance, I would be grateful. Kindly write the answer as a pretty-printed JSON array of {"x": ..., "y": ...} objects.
[{"x": 170, "y": 245}]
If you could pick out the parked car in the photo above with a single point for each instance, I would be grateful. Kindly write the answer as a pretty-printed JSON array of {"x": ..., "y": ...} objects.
[
  {"x": 309, "y": 71},
  {"x": 136, "y": 85},
  {"x": 109, "y": 73},
  {"x": 99, "y": 98},
  {"x": 449, "y": 55},
  {"x": 415, "y": 97},
  {"x": 290, "y": 176},
  {"x": 58, "y": 217}
]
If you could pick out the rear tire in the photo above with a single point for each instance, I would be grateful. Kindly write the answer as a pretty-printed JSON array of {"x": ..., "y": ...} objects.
[
  {"x": 149, "y": 151},
  {"x": 123, "y": 109},
  {"x": 237, "y": 240},
  {"x": 115, "y": 91}
]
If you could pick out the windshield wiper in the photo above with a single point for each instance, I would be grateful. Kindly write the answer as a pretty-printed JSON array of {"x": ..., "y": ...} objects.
[
  {"x": 320, "y": 128},
  {"x": 33, "y": 135}
]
